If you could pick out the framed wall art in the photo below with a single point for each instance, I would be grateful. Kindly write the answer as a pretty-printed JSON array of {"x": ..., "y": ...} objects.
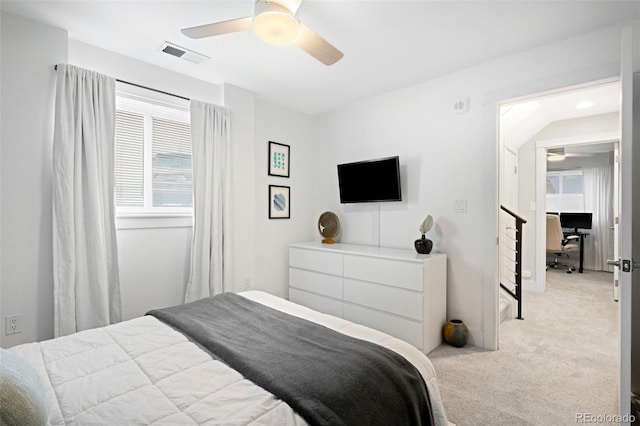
[
  {"x": 279, "y": 160},
  {"x": 279, "y": 202}
]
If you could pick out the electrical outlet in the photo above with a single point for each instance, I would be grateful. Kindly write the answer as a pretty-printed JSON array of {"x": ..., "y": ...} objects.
[
  {"x": 14, "y": 324},
  {"x": 247, "y": 282}
]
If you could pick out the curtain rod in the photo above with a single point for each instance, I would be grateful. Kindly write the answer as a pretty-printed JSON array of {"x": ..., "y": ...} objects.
[{"x": 55, "y": 67}]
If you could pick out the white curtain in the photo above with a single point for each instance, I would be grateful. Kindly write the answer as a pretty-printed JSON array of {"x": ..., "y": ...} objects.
[
  {"x": 598, "y": 199},
  {"x": 210, "y": 249},
  {"x": 85, "y": 260}
]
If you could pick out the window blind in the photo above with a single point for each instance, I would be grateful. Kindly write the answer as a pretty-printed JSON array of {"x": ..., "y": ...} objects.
[
  {"x": 565, "y": 191},
  {"x": 129, "y": 159},
  {"x": 171, "y": 164},
  {"x": 153, "y": 171}
]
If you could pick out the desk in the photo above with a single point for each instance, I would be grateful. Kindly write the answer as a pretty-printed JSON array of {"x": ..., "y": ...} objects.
[{"x": 581, "y": 235}]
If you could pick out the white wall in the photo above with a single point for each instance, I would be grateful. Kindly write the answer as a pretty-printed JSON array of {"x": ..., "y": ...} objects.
[
  {"x": 260, "y": 245},
  {"x": 154, "y": 268},
  {"x": 135, "y": 71},
  {"x": 603, "y": 123},
  {"x": 447, "y": 157},
  {"x": 442, "y": 159},
  {"x": 272, "y": 236},
  {"x": 242, "y": 104},
  {"x": 28, "y": 52}
]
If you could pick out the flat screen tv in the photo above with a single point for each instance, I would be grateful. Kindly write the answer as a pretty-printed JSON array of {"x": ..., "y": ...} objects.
[
  {"x": 576, "y": 220},
  {"x": 370, "y": 181}
]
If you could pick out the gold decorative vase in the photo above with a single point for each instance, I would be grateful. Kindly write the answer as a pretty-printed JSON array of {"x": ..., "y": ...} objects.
[{"x": 456, "y": 333}]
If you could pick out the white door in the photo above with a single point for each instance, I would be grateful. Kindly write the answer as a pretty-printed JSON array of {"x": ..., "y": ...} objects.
[{"x": 627, "y": 216}]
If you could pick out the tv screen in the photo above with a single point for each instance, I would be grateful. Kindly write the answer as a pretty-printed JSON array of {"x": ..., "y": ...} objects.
[
  {"x": 370, "y": 181},
  {"x": 576, "y": 220}
]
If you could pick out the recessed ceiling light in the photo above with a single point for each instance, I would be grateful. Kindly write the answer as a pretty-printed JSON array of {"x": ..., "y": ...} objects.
[{"x": 585, "y": 105}]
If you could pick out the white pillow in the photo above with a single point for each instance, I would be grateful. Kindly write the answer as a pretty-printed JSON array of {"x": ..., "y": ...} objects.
[{"x": 21, "y": 392}]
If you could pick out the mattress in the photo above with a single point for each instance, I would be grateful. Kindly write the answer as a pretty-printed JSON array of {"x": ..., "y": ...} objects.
[{"x": 142, "y": 371}]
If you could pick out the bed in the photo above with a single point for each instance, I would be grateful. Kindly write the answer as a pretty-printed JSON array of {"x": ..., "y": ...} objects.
[{"x": 144, "y": 371}]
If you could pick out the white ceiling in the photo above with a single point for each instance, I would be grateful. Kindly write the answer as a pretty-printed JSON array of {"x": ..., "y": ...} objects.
[
  {"x": 387, "y": 44},
  {"x": 520, "y": 121}
]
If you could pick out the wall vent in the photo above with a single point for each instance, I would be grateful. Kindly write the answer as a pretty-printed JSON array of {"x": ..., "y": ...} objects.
[{"x": 183, "y": 53}]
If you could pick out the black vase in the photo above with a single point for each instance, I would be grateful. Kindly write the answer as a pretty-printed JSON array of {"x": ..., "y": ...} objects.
[{"x": 423, "y": 245}]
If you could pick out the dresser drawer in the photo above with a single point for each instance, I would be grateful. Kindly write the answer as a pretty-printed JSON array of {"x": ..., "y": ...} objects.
[
  {"x": 404, "y": 329},
  {"x": 395, "y": 273},
  {"x": 314, "y": 260},
  {"x": 395, "y": 300},
  {"x": 316, "y": 282},
  {"x": 319, "y": 303}
]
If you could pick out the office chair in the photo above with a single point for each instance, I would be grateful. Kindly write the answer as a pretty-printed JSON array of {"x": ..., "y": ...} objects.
[{"x": 558, "y": 244}]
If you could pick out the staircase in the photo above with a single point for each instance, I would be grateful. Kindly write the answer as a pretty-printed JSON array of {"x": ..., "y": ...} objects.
[
  {"x": 510, "y": 260},
  {"x": 505, "y": 308}
]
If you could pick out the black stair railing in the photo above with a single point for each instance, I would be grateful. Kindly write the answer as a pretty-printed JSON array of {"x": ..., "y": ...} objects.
[{"x": 516, "y": 292}]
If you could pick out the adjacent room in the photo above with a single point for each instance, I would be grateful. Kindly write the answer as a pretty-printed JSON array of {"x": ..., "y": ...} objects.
[{"x": 277, "y": 212}]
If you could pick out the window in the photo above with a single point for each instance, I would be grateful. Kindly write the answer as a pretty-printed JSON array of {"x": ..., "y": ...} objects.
[
  {"x": 153, "y": 173},
  {"x": 564, "y": 191}
]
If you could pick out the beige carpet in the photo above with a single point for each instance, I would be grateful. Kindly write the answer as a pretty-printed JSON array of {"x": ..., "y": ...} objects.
[{"x": 559, "y": 361}]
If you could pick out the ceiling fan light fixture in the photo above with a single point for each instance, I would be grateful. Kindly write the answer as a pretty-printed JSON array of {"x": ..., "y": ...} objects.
[
  {"x": 276, "y": 25},
  {"x": 275, "y": 22}
]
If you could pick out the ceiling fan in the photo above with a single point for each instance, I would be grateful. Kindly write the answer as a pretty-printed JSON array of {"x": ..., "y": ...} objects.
[
  {"x": 275, "y": 22},
  {"x": 559, "y": 154}
]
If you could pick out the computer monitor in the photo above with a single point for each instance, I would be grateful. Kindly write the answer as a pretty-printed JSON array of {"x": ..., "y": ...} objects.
[{"x": 576, "y": 220}]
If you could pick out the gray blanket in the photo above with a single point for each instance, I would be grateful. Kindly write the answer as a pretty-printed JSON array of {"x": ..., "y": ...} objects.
[{"x": 327, "y": 377}]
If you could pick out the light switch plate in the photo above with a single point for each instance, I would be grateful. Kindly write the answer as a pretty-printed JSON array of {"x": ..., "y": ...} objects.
[{"x": 460, "y": 206}]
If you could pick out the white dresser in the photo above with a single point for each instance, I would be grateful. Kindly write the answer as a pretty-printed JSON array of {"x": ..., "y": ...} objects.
[{"x": 396, "y": 291}]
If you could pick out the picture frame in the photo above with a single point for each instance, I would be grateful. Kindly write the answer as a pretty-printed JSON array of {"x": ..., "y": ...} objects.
[
  {"x": 279, "y": 159},
  {"x": 279, "y": 202}
]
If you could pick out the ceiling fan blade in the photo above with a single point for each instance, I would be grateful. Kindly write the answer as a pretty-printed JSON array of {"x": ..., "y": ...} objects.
[
  {"x": 218, "y": 28},
  {"x": 317, "y": 47},
  {"x": 292, "y": 5}
]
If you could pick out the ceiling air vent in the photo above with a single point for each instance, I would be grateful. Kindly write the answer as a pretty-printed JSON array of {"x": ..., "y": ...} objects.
[{"x": 182, "y": 53}]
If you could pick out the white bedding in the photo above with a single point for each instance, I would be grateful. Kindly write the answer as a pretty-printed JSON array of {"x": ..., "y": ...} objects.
[{"x": 142, "y": 371}]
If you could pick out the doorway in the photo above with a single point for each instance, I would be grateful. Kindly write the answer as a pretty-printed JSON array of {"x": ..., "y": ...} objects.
[
  {"x": 581, "y": 125},
  {"x": 595, "y": 202}
]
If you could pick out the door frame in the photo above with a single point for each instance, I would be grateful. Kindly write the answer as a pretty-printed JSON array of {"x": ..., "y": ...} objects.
[
  {"x": 627, "y": 213},
  {"x": 491, "y": 294},
  {"x": 541, "y": 194}
]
